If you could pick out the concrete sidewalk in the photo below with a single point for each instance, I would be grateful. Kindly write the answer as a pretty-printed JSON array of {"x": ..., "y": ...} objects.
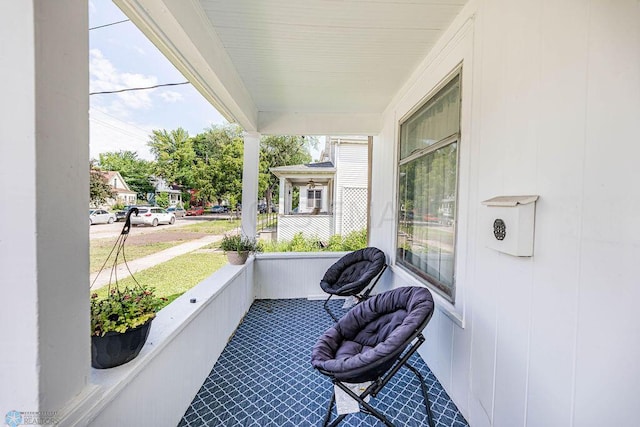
[{"x": 151, "y": 260}]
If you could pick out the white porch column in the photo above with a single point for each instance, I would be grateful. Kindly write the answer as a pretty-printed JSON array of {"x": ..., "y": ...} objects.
[
  {"x": 44, "y": 236},
  {"x": 250, "y": 183},
  {"x": 282, "y": 199}
]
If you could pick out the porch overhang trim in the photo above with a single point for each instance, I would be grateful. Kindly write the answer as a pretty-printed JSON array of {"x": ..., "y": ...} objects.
[
  {"x": 304, "y": 174},
  {"x": 309, "y": 123},
  {"x": 182, "y": 32}
]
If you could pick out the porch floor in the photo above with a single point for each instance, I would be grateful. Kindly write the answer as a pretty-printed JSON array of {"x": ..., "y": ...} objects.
[{"x": 264, "y": 377}]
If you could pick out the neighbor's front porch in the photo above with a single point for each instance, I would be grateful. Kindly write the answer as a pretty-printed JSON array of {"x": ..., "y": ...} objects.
[{"x": 314, "y": 216}]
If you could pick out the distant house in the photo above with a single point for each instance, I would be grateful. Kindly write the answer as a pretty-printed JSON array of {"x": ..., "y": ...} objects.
[
  {"x": 333, "y": 192},
  {"x": 161, "y": 186},
  {"x": 123, "y": 194}
]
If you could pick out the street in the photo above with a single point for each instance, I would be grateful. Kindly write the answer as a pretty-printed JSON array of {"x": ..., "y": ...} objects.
[{"x": 101, "y": 231}]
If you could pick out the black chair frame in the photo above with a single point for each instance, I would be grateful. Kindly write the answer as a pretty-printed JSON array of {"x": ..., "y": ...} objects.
[
  {"x": 361, "y": 296},
  {"x": 377, "y": 385}
]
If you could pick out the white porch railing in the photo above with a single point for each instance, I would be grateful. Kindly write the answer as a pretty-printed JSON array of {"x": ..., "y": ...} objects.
[
  {"x": 186, "y": 340},
  {"x": 319, "y": 226},
  {"x": 284, "y": 275}
]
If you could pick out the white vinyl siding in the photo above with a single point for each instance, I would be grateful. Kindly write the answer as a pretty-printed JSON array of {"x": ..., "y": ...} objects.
[{"x": 352, "y": 166}]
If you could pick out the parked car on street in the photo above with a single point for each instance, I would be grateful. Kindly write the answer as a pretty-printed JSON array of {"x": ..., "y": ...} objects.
[
  {"x": 100, "y": 216},
  {"x": 219, "y": 209},
  {"x": 152, "y": 216},
  {"x": 197, "y": 210},
  {"x": 121, "y": 215},
  {"x": 177, "y": 211},
  {"x": 262, "y": 208}
]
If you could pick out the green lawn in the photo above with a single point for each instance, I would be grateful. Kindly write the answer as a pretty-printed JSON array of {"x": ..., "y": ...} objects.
[
  {"x": 216, "y": 226},
  {"x": 100, "y": 248},
  {"x": 173, "y": 278},
  {"x": 214, "y": 246},
  {"x": 209, "y": 227}
]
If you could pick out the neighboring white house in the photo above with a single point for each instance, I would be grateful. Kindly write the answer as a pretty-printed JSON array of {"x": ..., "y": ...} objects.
[
  {"x": 162, "y": 187},
  {"x": 332, "y": 192},
  {"x": 123, "y": 194}
]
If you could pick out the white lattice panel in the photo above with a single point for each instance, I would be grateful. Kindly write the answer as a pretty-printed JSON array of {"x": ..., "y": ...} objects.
[{"x": 354, "y": 209}]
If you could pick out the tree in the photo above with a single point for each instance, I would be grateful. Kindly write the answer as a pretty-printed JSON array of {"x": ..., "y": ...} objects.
[
  {"x": 136, "y": 172},
  {"x": 211, "y": 161},
  {"x": 229, "y": 169},
  {"x": 162, "y": 200},
  {"x": 218, "y": 167},
  {"x": 174, "y": 155},
  {"x": 280, "y": 151},
  {"x": 99, "y": 189}
]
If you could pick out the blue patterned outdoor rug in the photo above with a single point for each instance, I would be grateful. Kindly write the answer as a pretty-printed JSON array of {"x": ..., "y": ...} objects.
[{"x": 264, "y": 377}]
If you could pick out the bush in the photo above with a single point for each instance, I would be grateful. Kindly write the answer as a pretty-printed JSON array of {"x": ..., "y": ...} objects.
[
  {"x": 335, "y": 243},
  {"x": 301, "y": 244},
  {"x": 351, "y": 242},
  {"x": 162, "y": 200},
  {"x": 239, "y": 243},
  {"x": 355, "y": 240},
  {"x": 123, "y": 310}
]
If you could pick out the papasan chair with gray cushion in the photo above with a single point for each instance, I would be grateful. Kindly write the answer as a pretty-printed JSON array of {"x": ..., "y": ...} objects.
[
  {"x": 372, "y": 342},
  {"x": 352, "y": 274}
]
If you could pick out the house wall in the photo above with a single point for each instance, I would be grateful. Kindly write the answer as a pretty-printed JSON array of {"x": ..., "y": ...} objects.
[
  {"x": 44, "y": 153},
  {"x": 550, "y": 101},
  {"x": 118, "y": 182},
  {"x": 127, "y": 199},
  {"x": 303, "y": 206},
  {"x": 320, "y": 226},
  {"x": 351, "y": 172}
]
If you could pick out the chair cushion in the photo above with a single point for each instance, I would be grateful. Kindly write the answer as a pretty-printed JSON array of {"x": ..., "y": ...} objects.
[
  {"x": 367, "y": 340},
  {"x": 353, "y": 272}
]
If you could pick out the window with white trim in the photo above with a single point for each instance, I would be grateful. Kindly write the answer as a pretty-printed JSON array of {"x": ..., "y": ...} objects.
[
  {"x": 314, "y": 199},
  {"x": 427, "y": 185}
]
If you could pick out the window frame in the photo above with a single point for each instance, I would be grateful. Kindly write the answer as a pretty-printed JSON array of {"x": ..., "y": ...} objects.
[
  {"x": 316, "y": 200},
  {"x": 454, "y": 138}
]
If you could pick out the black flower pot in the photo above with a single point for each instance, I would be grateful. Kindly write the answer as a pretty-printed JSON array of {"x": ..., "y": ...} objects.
[{"x": 115, "y": 348}]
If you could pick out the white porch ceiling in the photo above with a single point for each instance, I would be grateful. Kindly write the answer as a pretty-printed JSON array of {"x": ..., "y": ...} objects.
[{"x": 292, "y": 66}]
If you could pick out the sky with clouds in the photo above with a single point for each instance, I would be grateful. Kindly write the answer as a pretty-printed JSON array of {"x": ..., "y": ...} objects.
[{"x": 121, "y": 57}]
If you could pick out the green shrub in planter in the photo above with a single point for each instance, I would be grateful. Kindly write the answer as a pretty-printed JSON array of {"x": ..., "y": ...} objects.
[
  {"x": 237, "y": 247},
  {"x": 239, "y": 243},
  {"x": 124, "y": 309}
]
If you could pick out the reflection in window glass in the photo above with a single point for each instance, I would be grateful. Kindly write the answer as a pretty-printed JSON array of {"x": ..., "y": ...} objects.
[
  {"x": 427, "y": 190},
  {"x": 436, "y": 120}
]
